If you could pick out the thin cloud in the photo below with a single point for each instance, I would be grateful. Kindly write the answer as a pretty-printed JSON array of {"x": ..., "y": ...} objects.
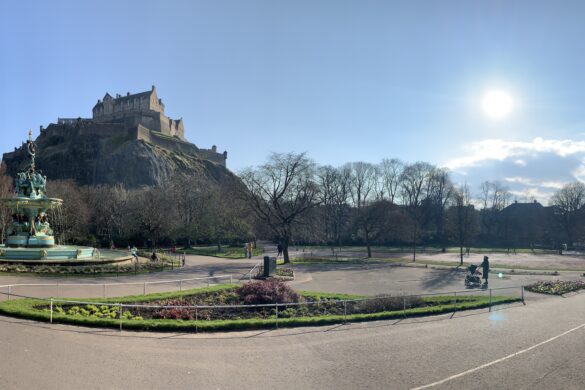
[
  {"x": 497, "y": 149},
  {"x": 532, "y": 170}
]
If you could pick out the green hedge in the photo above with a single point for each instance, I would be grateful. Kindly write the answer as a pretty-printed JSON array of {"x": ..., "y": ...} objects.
[{"x": 28, "y": 309}]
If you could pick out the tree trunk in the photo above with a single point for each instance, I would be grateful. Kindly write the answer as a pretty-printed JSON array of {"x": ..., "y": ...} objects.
[
  {"x": 368, "y": 245},
  {"x": 461, "y": 254},
  {"x": 414, "y": 244},
  {"x": 285, "y": 253}
]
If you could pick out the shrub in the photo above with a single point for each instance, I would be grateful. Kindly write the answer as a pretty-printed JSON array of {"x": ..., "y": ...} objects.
[
  {"x": 384, "y": 303},
  {"x": 266, "y": 292}
]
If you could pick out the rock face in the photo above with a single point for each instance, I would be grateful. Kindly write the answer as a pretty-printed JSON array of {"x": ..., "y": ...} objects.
[{"x": 109, "y": 154}]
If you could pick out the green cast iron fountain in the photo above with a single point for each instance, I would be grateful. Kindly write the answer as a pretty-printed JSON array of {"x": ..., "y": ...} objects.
[{"x": 30, "y": 237}]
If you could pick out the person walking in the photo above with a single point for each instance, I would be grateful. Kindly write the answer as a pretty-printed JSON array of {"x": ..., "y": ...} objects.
[
  {"x": 485, "y": 270},
  {"x": 249, "y": 250},
  {"x": 279, "y": 248},
  {"x": 134, "y": 252}
]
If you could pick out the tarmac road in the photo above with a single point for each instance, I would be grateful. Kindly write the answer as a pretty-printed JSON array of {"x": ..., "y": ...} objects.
[{"x": 383, "y": 354}]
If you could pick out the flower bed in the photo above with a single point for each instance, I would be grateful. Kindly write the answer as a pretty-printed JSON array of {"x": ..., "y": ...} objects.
[
  {"x": 556, "y": 287},
  {"x": 287, "y": 307}
]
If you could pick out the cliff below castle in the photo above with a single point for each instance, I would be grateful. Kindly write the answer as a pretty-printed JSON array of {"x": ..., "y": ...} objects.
[{"x": 107, "y": 153}]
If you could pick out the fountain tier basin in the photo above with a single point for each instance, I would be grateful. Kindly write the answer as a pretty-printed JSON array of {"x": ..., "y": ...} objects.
[{"x": 61, "y": 254}]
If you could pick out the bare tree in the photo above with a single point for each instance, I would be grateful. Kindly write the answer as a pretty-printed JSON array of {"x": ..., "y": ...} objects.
[
  {"x": 414, "y": 186},
  {"x": 152, "y": 214},
  {"x": 71, "y": 221},
  {"x": 439, "y": 193},
  {"x": 568, "y": 202},
  {"x": 280, "y": 192},
  {"x": 5, "y": 191},
  {"x": 110, "y": 211},
  {"x": 364, "y": 183},
  {"x": 390, "y": 171},
  {"x": 334, "y": 193},
  {"x": 462, "y": 221},
  {"x": 494, "y": 197}
]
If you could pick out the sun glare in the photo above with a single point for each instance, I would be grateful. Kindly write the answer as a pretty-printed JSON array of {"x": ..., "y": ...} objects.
[{"x": 497, "y": 104}]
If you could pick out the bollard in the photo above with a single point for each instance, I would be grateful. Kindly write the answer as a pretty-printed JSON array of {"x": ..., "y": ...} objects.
[
  {"x": 522, "y": 293},
  {"x": 144, "y": 289},
  {"x": 51, "y": 316},
  {"x": 9, "y": 291},
  {"x": 455, "y": 294},
  {"x": 404, "y": 306},
  {"x": 276, "y": 316},
  {"x": 345, "y": 312},
  {"x": 490, "y": 299},
  {"x": 196, "y": 320},
  {"x": 104, "y": 290},
  {"x": 120, "y": 306}
]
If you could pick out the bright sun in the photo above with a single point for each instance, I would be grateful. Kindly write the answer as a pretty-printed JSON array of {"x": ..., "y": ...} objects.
[{"x": 497, "y": 104}]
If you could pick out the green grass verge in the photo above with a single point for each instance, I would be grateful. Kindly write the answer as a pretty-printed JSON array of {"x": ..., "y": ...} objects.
[{"x": 27, "y": 308}]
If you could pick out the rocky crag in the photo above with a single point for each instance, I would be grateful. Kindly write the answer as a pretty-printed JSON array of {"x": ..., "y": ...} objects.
[{"x": 93, "y": 153}]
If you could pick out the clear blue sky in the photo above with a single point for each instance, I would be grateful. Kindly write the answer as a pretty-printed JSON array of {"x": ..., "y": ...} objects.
[{"x": 342, "y": 80}]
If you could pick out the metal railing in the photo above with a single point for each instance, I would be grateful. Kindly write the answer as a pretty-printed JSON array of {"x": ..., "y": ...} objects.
[{"x": 57, "y": 289}]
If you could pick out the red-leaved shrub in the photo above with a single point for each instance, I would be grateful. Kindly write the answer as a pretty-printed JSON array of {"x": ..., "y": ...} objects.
[{"x": 266, "y": 291}]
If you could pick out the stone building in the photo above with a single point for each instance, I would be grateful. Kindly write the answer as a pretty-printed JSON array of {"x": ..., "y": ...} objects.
[
  {"x": 141, "y": 117},
  {"x": 144, "y": 108}
]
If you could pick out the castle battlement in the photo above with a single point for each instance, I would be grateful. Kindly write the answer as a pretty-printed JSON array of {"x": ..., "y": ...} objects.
[{"x": 137, "y": 116}]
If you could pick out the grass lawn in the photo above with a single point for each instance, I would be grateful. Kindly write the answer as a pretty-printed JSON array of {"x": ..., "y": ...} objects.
[
  {"x": 226, "y": 251},
  {"x": 36, "y": 309},
  {"x": 453, "y": 264},
  {"x": 424, "y": 249}
]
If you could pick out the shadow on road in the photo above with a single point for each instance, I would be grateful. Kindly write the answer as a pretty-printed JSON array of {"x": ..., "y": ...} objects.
[{"x": 439, "y": 279}]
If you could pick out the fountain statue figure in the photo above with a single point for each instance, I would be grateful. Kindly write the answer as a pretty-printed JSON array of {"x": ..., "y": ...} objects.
[{"x": 30, "y": 223}]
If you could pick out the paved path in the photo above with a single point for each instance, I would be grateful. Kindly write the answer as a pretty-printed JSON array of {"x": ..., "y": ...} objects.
[
  {"x": 445, "y": 350},
  {"x": 195, "y": 267},
  {"x": 384, "y": 354}
]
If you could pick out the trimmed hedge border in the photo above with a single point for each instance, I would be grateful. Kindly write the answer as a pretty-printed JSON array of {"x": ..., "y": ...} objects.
[{"x": 26, "y": 308}]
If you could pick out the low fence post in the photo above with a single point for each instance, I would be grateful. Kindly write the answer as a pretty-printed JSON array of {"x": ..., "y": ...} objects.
[
  {"x": 120, "y": 306},
  {"x": 51, "y": 315},
  {"x": 522, "y": 294},
  {"x": 345, "y": 312},
  {"x": 144, "y": 289},
  {"x": 9, "y": 291},
  {"x": 196, "y": 319},
  {"x": 404, "y": 306},
  {"x": 455, "y": 295},
  {"x": 490, "y": 299},
  {"x": 276, "y": 315}
]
